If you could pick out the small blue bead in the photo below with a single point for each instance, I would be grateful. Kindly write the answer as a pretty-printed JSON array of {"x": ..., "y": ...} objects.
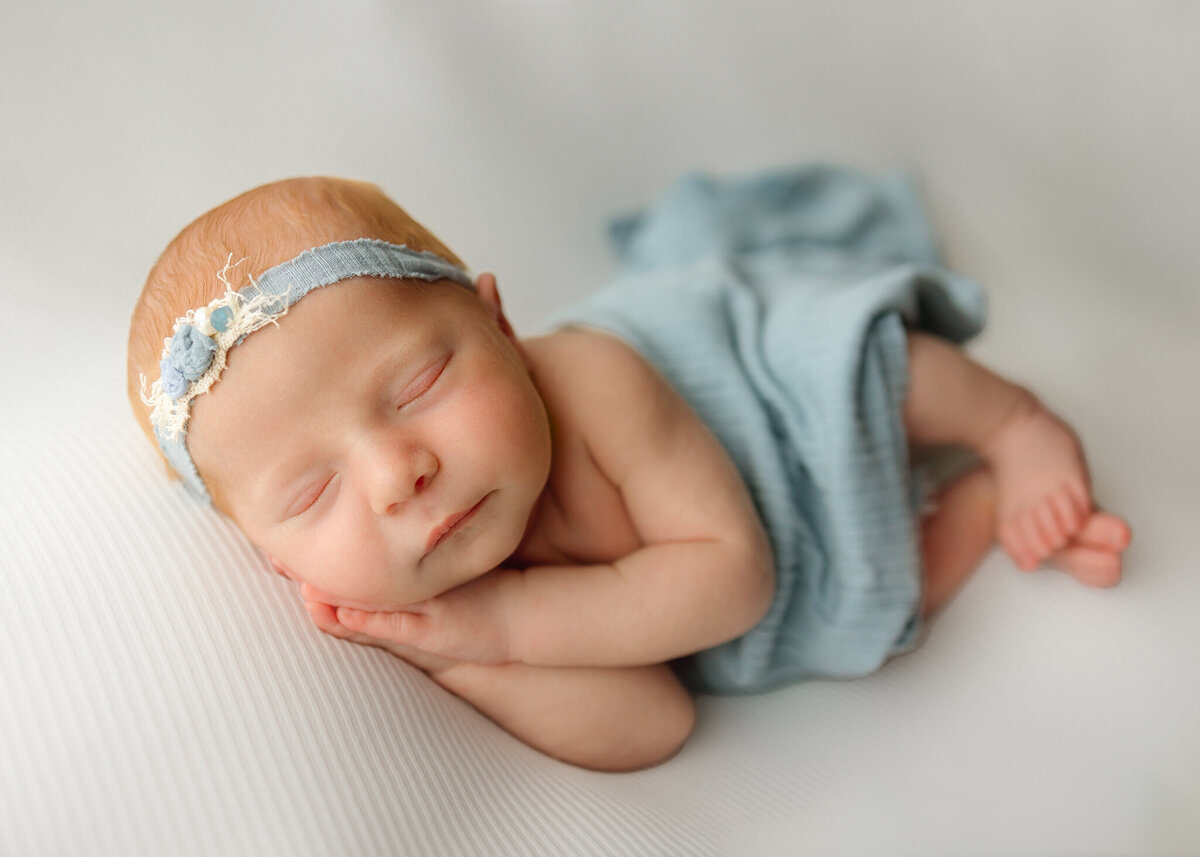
[{"x": 220, "y": 318}]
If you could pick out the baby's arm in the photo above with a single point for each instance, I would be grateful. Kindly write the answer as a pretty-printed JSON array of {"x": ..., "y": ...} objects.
[
  {"x": 617, "y": 719},
  {"x": 614, "y": 719},
  {"x": 705, "y": 573}
]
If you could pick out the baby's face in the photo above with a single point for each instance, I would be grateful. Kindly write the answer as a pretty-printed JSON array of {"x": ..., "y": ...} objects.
[{"x": 351, "y": 440}]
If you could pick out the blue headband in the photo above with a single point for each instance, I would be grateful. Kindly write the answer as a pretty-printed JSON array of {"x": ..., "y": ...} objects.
[{"x": 194, "y": 356}]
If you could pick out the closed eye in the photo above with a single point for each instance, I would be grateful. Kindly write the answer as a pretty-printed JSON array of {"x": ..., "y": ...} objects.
[
  {"x": 309, "y": 498},
  {"x": 420, "y": 385}
]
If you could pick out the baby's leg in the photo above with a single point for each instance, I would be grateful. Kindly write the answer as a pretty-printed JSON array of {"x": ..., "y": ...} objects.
[
  {"x": 956, "y": 537},
  {"x": 1043, "y": 492}
]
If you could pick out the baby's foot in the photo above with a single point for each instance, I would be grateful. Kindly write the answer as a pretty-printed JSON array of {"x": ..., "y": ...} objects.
[
  {"x": 1042, "y": 486},
  {"x": 1093, "y": 557}
]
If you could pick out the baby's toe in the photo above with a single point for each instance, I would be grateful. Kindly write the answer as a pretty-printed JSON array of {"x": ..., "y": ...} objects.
[
  {"x": 1068, "y": 512},
  {"x": 1014, "y": 537},
  {"x": 1105, "y": 531},
  {"x": 1052, "y": 531},
  {"x": 1081, "y": 495},
  {"x": 1039, "y": 544},
  {"x": 1099, "y": 568}
]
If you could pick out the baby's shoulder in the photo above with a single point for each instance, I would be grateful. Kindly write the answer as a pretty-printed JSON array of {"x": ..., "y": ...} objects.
[
  {"x": 610, "y": 400},
  {"x": 590, "y": 372},
  {"x": 578, "y": 347}
]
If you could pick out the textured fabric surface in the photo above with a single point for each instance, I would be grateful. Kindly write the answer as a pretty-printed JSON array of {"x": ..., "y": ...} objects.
[{"x": 776, "y": 303}]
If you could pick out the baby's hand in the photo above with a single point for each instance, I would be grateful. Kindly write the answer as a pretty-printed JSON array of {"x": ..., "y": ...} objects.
[
  {"x": 324, "y": 616},
  {"x": 468, "y": 623}
]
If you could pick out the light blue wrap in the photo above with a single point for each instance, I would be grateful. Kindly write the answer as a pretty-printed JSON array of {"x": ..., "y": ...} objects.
[{"x": 776, "y": 304}]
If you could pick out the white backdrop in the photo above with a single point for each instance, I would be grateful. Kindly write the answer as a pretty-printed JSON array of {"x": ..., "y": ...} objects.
[{"x": 1057, "y": 145}]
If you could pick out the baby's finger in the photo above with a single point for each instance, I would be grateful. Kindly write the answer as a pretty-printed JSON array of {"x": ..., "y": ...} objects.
[
  {"x": 321, "y": 614},
  {"x": 408, "y": 629},
  {"x": 383, "y": 631},
  {"x": 325, "y": 618},
  {"x": 310, "y": 593}
]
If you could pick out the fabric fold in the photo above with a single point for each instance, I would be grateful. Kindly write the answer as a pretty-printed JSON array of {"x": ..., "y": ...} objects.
[{"x": 776, "y": 303}]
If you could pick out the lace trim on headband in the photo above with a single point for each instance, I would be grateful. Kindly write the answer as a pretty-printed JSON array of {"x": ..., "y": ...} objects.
[{"x": 194, "y": 356}]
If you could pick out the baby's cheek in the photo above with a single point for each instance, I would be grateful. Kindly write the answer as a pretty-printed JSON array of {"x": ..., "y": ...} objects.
[{"x": 352, "y": 572}]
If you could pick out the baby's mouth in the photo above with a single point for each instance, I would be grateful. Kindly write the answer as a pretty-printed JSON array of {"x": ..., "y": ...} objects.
[{"x": 452, "y": 524}]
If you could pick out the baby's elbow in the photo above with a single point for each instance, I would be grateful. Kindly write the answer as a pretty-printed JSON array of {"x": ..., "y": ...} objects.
[
  {"x": 655, "y": 717},
  {"x": 656, "y": 741},
  {"x": 670, "y": 737},
  {"x": 676, "y": 722}
]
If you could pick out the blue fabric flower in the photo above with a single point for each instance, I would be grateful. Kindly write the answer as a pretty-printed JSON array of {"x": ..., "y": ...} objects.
[
  {"x": 174, "y": 384},
  {"x": 191, "y": 351}
]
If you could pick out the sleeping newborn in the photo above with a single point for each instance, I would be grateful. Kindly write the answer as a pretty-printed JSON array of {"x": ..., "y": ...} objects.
[{"x": 698, "y": 480}]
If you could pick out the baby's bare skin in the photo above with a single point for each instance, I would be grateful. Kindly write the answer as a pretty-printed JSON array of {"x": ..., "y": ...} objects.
[
  {"x": 1045, "y": 507},
  {"x": 601, "y": 570},
  {"x": 554, "y": 607},
  {"x": 583, "y": 519},
  {"x": 955, "y": 539},
  {"x": 1034, "y": 494},
  {"x": 605, "y": 577},
  {"x": 611, "y": 575},
  {"x": 541, "y": 524}
]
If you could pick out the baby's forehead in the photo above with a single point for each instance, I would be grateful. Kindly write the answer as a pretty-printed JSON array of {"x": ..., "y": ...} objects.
[
  {"x": 415, "y": 296},
  {"x": 344, "y": 331}
]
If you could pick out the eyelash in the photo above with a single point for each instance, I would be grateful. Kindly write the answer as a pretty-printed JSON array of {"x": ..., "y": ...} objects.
[
  {"x": 320, "y": 493},
  {"x": 432, "y": 373}
]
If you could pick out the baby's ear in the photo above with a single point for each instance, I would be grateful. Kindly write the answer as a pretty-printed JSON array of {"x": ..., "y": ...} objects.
[{"x": 485, "y": 287}]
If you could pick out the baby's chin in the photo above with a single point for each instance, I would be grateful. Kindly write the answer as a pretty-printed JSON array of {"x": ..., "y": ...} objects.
[
  {"x": 460, "y": 577},
  {"x": 432, "y": 585}
]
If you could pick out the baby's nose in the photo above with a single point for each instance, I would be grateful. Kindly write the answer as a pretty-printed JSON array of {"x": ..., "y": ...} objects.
[{"x": 398, "y": 476}]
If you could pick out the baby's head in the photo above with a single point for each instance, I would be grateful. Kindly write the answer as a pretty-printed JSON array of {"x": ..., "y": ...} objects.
[{"x": 349, "y": 430}]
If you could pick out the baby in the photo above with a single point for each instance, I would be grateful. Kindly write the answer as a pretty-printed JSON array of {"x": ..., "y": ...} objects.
[{"x": 576, "y": 532}]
